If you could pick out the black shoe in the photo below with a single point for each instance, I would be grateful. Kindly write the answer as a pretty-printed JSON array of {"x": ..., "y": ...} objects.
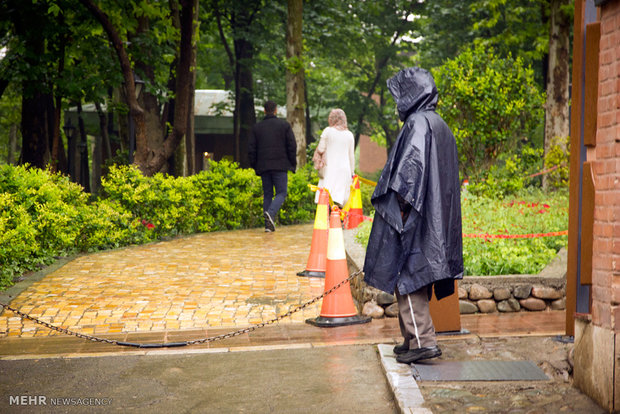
[
  {"x": 401, "y": 349},
  {"x": 269, "y": 223},
  {"x": 419, "y": 354}
]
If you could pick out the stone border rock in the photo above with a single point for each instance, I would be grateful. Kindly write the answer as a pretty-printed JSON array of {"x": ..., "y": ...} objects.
[{"x": 477, "y": 294}]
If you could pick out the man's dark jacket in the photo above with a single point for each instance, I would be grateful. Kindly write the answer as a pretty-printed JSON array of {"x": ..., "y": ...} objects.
[
  {"x": 272, "y": 146},
  {"x": 421, "y": 175}
]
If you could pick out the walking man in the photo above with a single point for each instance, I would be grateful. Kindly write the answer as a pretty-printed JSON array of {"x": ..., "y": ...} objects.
[
  {"x": 416, "y": 242},
  {"x": 272, "y": 151}
]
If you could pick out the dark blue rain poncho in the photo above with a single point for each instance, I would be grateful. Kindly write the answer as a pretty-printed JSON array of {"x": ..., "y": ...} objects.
[{"x": 424, "y": 247}]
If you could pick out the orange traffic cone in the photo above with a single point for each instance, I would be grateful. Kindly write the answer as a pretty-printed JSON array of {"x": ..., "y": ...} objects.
[
  {"x": 356, "y": 214},
  {"x": 317, "y": 260},
  {"x": 338, "y": 308}
]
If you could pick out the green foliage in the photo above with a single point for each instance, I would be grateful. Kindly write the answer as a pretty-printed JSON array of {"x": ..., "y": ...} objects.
[
  {"x": 106, "y": 225},
  {"x": 32, "y": 202},
  {"x": 517, "y": 27},
  {"x": 225, "y": 197},
  {"x": 299, "y": 206},
  {"x": 229, "y": 197},
  {"x": 530, "y": 212},
  {"x": 367, "y": 191},
  {"x": 509, "y": 175},
  {"x": 558, "y": 158},
  {"x": 491, "y": 104},
  {"x": 50, "y": 200},
  {"x": 10, "y": 118},
  {"x": 363, "y": 231}
]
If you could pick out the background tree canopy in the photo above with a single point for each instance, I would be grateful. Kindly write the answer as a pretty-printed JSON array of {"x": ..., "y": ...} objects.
[{"x": 59, "y": 53}]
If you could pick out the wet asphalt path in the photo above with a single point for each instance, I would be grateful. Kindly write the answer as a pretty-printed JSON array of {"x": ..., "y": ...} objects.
[{"x": 340, "y": 379}]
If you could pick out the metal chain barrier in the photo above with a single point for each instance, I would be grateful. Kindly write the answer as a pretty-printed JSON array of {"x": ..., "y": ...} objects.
[{"x": 183, "y": 343}]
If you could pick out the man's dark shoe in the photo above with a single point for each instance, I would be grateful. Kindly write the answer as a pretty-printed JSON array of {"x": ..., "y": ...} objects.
[
  {"x": 419, "y": 354},
  {"x": 401, "y": 349},
  {"x": 270, "y": 225}
]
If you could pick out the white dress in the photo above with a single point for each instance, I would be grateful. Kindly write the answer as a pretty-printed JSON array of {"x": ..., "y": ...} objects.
[{"x": 339, "y": 155}]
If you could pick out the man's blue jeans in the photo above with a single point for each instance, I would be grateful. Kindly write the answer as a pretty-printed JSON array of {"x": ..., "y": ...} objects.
[{"x": 271, "y": 179}]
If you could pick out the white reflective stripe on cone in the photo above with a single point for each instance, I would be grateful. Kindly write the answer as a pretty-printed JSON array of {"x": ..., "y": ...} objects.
[{"x": 335, "y": 245}]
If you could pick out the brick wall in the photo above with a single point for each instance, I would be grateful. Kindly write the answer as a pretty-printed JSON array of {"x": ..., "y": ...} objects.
[
  {"x": 372, "y": 156},
  {"x": 606, "y": 168}
]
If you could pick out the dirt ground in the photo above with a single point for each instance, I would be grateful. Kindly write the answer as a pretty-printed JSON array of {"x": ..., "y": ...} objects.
[{"x": 558, "y": 395}]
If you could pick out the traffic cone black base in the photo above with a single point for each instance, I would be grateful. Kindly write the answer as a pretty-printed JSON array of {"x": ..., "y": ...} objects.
[
  {"x": 340, "y": 321},
  {"x": 310, "y": 273}
]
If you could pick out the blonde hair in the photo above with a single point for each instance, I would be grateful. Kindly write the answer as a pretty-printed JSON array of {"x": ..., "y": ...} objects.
[{"x": 338, "y": 119}]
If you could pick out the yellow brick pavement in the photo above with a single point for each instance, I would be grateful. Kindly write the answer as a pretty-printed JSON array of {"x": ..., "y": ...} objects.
[{"x": 211, "y": 280}]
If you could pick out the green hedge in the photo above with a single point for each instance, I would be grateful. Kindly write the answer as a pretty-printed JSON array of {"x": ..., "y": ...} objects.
[{"x": 44, "y": 215}]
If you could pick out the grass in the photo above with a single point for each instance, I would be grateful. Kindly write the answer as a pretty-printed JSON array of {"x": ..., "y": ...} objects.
[{"x": 530, "y": 212}]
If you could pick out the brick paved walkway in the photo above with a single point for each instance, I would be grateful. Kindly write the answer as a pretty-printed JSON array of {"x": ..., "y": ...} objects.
[{"x": 212, "y": 280}]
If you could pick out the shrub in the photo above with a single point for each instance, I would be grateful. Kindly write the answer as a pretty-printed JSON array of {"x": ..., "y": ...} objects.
[
  {"x": 557, "y": 157},
  {"x": 492, "y": 104},
  {"x": 299, "y": 206},
  {"x": 106, "y": 225},
  {"x": 38, "y": 218},
  {"x": 225, "y": 197},
  {"x": 19, "y": 248},
  {"x": 228, "y": 197},
  {"x": 509, "y": 176}
]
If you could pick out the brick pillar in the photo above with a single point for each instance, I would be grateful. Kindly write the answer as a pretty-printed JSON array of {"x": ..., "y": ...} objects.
[
  {"x": 606, "y": 257},
  {"x": 597, "y": 341},
  {"x": 606, "y": 169}
]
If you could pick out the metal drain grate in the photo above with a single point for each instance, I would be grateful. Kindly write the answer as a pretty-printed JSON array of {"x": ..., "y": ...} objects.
[{"x": 478, "y": 371}]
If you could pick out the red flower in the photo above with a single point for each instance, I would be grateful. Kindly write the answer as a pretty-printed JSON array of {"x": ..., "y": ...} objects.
[{"x": 148, "y": 224}]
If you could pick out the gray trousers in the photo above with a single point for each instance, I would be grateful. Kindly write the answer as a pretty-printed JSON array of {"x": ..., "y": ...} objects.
[{"x": 414, "y": 318}]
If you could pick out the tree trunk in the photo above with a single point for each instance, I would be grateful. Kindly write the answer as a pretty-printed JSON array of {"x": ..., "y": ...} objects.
[
  {"x": 12, "y": 159},
  {"x": 35, "y": 141},
  {"x": 295, "y": 78},
  {"x": 59, "y": 159},
  {"x": 98, "y": 151},
  {"x": 135, "y": 110},
  {"x": 247, "y": 114},
  {"x": 309, "y": 136},
  {"x": 190, "y": 137},
  {"x": 84, "y": 175},
  {"x": 189, "y": 10},
  {"x": 34, "y": 122},
  {"x": 557, "y": 126}
]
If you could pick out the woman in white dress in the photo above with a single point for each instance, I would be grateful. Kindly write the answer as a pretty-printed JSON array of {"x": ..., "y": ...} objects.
[{"x": 336, "y": 150}]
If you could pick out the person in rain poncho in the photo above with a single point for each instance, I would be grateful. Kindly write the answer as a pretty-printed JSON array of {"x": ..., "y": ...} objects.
[
  {"x": 335, "y": 157},
  {"x": 416, "y": 239}
]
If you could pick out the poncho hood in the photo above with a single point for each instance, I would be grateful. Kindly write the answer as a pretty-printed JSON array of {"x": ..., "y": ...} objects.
[{"x": 414, "y": 90}]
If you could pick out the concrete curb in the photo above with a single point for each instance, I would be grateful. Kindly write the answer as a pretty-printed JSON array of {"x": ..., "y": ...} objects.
[{"x": 407, "y": 395}]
